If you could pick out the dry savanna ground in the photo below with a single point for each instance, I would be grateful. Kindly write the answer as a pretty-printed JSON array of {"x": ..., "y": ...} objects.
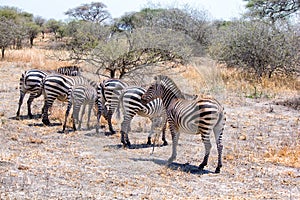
[{"x": 261, "y": 144}]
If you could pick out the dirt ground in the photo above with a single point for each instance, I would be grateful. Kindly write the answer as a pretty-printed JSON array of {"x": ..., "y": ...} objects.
[{"x": 37, "y": 162}]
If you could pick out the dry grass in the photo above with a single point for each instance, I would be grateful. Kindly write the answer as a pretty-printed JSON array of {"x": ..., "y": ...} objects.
[
  {"x": 34, "y": 58},
  {"x": 287, "y": 155},
  {"x": 238, "y": 81},
  {"x": 261, "y": 148}
]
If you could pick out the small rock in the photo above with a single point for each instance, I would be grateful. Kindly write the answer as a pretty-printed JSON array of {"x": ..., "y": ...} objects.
[{"x": 242, "y": 137}]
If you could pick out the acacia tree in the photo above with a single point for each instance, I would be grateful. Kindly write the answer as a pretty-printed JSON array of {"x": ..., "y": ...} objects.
[
  {"x": 128, "y": 49},
  {"x": 189, "y": 21},
  {"x": 40, "y": 21},
  {"x": 93, "y": 12},
  {"x": 7, "y": 27}
]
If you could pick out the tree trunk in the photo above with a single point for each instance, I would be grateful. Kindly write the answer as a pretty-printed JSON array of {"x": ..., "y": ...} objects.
[
  {"x": 31, "y": 41},
  {"x": 2, "y": 52}
]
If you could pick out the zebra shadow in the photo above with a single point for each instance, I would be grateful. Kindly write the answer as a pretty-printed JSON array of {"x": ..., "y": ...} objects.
[
  {"x": 188, "y": 168},
  {"x": 132, "y": 146},
  {"x": 25, "y": 117},
  {"x": 42, "y": 125}
]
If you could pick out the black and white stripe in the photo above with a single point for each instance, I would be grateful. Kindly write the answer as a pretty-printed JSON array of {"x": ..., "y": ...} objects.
[
  {"x": 201, "y": 116},
  {"x": 130, "y": 102},
  {"x": 69, "y": 70},
  {"x": 79, "y": 96},
  {"x": 32, "y": 80},
  {"x": 56, "y": 87},
  {"x": 110, "y": 91}
]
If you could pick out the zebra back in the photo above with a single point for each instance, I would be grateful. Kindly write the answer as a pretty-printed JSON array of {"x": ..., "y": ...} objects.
[
  {"x": 69, "y": 70},
  {"x": 56, "y": 85},
  {"x": 110, "y": 91}
]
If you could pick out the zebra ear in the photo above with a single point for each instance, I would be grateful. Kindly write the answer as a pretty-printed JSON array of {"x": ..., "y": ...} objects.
[{"x": 157, "y": 79}]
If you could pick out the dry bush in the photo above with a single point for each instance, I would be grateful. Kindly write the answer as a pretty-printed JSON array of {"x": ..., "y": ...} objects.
[{"x": 200, "y": 76}]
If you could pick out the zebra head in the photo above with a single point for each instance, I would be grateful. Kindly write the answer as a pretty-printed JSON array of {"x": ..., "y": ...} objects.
[{"x": 154, "y": 91}]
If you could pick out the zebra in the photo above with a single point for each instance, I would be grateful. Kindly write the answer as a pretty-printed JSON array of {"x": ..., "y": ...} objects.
[
  {"x": 200, "y": 116},
  {"x": 130, "y": 103},
  {"x": 80, "y": 96},
  {"x": 56, "y": 86},
  {"x": 110, "y": 90},
  {"x": 69, "y": 70},
  {"x": 31, "y": 82}
]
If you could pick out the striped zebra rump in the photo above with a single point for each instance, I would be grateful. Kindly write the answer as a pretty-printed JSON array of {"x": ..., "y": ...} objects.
[
  {"x": 194, "y": 116},
  {"x": 56, "y": 87},
  {"x": 131, "y": 105},
  {"x": 79, "y": 96},
  {"x": 31, "y": 82},
  {"x": 109, "y": 91}
]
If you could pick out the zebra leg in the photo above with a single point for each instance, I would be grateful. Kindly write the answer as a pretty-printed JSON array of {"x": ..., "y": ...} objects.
[
  {"x": 82, "y": 113},
  {"x": 99, "y": 112},
  {"x": 218, "y": 132},
  {"x": 109, "y": 116},
  {"x": 163, "y": 137},
  {"x": 20, "y": 104},
  {"x": 74, "y": 123},
  {"x": 207, "y": 145},
  {"x": 154, "y": 123},
  {"x": 125, "y": 127},
  {"x": 89, "y": 114},
  {"x": 30, "y": 100},
  {"x": 66, "y": 115},
  {"x": 45, "y": 118},
  {"x": 175, "y": 137}
]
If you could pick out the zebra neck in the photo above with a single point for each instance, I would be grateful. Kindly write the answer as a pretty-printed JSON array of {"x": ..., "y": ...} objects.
[{"x": 170, "y": 95}]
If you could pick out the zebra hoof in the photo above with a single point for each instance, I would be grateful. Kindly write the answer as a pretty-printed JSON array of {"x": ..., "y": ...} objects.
[
  {"x": 165, "y": 143},
  {"x": 201, "y": 167},
  {"x": 128, "y": 144},
  {"x": 149, "y": 141},
  {"x": 112, "y": 132},
  {"x": 46, "y": 122},
  {"x": 218, "y": 170}
]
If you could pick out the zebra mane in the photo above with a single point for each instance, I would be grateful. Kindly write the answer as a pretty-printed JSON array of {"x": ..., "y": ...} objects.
[{"x": 169, "y": 84}]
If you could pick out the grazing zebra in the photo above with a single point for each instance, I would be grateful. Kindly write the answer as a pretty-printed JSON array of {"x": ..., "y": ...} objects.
[
  {"x": 200, "y": 116},
  {"x": 31, "y": 82},
  {"x": 56, "y": 86},
  {"x": 130, "y": 102},
  {"x": 80, "y": 96},
  {"x": 110, "y": 91},
  {"x": 69, "y": 70}
]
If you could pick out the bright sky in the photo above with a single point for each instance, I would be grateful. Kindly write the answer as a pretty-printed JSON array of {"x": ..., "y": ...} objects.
[{"x": 218, "y": 9}]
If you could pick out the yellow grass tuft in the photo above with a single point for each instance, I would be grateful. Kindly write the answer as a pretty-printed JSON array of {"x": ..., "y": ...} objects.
[{"x": 287, "y": 155}]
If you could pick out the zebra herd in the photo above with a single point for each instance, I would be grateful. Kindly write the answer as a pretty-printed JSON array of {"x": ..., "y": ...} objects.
[{"x": 162, "y": 102}]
